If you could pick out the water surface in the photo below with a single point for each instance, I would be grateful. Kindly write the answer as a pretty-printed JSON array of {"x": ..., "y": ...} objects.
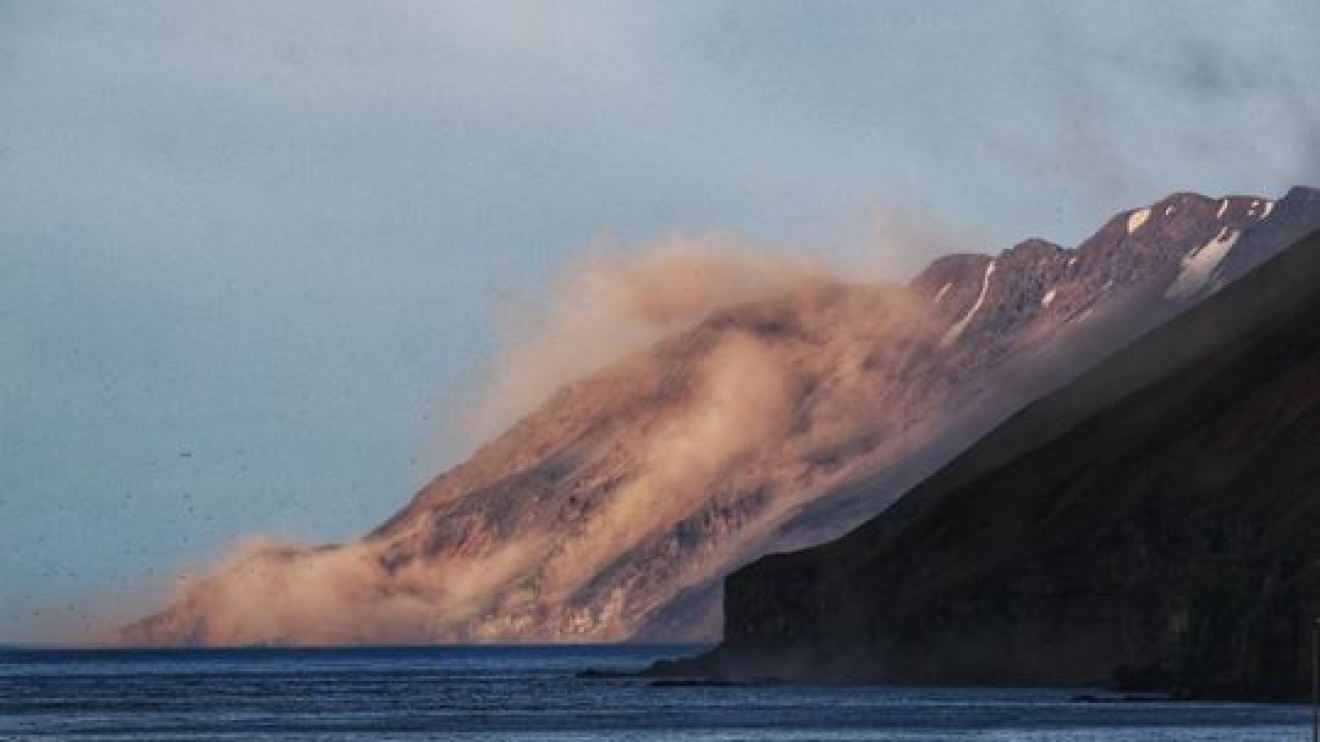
[{"x": 530, "y": 693}]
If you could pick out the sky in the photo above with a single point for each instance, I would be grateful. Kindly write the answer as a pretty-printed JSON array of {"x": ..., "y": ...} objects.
[{"x": 257, "y": 258}]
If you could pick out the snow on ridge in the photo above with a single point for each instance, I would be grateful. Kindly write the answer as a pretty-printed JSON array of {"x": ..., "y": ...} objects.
[
  {"x": 1199, "y": 265},
  {"x": 1048, "y": 298},
  {"x": 957, "y": 330},
  {"x": 1269, "y": 206},
  {"x": 1223, "y": 207},
  {"x": 1136, "y": 219},
  {"x": 943, "y": 290}
]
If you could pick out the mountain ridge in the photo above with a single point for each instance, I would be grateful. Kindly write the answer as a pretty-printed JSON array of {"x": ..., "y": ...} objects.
[
  {"x": 614, "y": 510},
  {"x": 1161, "y": 543}
]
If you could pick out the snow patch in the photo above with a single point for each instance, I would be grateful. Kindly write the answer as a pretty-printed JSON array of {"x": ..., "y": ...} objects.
[
  {"x": 1199, "y": 265},
  {"x": 1223, "y": 209},
  {"x": 1048, "y": 298},
  {"x": 1168, "y": 210},
  {"x": 957, "y": 330},
  {"x": 1136, "y": 219},
  {"x": 1072, "y": 261},
  {"x": 943, "y": 290},
  {"x": 1269, "y": 206}
]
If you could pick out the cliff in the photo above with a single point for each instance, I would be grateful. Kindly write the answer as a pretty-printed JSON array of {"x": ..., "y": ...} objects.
[
  {"x": 615, "y": 509},
  {"x": 1167, "y": 539}
]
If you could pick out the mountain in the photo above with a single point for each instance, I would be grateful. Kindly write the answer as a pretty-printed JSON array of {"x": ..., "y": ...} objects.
[
  {"x": 1170, "y": 540},
  {"x": 616, "y": 508}
]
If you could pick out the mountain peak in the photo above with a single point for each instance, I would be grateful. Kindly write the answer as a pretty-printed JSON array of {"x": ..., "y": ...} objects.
[
  {"x": 640, "y": 486},
  {"x": 1152, "y": 523}
]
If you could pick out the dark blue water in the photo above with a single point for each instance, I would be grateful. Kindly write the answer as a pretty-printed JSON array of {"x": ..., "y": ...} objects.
[{"x": 508, "y": 693}]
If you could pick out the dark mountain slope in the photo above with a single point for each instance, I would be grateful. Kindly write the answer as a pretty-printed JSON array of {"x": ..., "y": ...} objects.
[
  {"x": 1170, "y": 540},
  {"x": 614, "y": 510}
]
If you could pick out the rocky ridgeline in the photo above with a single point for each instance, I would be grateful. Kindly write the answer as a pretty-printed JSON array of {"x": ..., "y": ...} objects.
[
  {"x": 614, "y": 510},
  {"x": 1152, "y": 525}
]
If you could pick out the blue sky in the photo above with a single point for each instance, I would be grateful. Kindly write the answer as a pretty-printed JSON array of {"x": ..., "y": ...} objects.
[{"x": 254, "y": 255}]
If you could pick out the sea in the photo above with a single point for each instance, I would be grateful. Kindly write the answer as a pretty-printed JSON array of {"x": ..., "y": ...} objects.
[{"x": 535, "y": 693}]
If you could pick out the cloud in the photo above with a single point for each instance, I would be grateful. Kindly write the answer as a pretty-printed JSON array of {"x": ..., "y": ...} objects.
[
  {"x": 271, "y": 591},
  {"x": 1168, "y": 92},
  {"x": 743, "y": 404},
  {"x": 771, "y": 330},
  {"x": 263, "y": 230},
  {"x": 613, "y": 302}
]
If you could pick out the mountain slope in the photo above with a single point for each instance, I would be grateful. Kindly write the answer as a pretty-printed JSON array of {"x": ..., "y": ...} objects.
[
  {"x": 1169, "y": 540},
  {"x": 614, "y": 509}
]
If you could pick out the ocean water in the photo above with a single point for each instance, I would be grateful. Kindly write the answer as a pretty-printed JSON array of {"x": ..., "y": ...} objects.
[{"x": 531, "y": 693}]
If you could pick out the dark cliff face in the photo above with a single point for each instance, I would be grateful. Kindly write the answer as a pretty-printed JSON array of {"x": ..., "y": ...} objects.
[
  {"x": 1017, "y": 325},
  {"x": 615, "y": 509},
  {"x": 1169, "y": 539}
]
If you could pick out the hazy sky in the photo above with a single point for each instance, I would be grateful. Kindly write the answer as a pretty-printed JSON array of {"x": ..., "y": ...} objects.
[{"x": 253, "y": 255}]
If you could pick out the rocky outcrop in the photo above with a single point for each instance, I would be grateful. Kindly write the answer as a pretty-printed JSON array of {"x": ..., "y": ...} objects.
[
  {"x": 1168, "y": 540},
  {"x": 615, "y": 509}
]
